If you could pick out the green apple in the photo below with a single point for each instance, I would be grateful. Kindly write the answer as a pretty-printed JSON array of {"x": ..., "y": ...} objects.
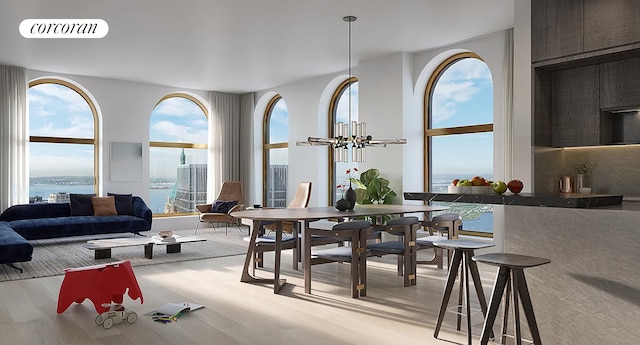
[
  {"x": 464, "y": 182},
  {"x": 499, "y": 187}
]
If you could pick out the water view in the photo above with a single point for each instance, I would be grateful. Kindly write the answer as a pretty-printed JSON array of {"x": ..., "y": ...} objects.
[{"x": 477, "y": 217}]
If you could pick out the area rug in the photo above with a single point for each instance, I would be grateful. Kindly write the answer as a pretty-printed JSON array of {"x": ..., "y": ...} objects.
[{"x": 52, "y": 256}]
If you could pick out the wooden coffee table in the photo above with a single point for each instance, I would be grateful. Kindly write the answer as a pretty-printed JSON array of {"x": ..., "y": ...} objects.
[{"x": 103, "y": 248}]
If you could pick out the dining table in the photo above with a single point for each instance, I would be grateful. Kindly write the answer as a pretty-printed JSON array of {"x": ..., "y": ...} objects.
[{"x": 306, "y": 215}]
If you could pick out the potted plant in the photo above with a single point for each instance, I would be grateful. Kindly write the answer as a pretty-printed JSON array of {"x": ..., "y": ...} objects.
[{"x": 372, "y": 189}]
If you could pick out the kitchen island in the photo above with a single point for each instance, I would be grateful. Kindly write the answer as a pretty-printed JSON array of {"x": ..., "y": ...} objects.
[{"x": 590, "y": 293}]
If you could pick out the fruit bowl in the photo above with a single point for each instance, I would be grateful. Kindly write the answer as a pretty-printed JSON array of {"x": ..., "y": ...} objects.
[{"x": 481, "y": 189}]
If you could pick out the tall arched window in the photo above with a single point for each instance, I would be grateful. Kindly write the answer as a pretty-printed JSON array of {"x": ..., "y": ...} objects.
[
  {"x": 459, "y": 133},
  {"x": 178, "y": 154},
  {"x": 63, "y": 136},
  {"x": 346, "y": 94},
  {"x": 276, "y": 153}
]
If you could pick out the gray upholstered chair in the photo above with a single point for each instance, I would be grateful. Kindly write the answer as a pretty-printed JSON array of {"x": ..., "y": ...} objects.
[
  {"x": 229, "y": 200},
  {"x": 356, "y": 232},
  {"x": 404, "y": 246},
  {"x": 442, "y": 227}
]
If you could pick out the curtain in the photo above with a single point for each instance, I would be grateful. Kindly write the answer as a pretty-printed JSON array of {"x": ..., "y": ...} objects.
[
  {"x": 14, "y": 137},
  {"x": 225, "y": 137},
  {"x": 507, "y": 107}
]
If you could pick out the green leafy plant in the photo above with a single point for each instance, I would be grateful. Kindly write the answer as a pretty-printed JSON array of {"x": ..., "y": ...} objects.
[
  {"x": 583, "y": 167},
  {"x": 372, "y": 189}
]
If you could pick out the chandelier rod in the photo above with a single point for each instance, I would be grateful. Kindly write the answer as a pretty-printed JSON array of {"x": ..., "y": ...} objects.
[{"x": 350, "y": 19}]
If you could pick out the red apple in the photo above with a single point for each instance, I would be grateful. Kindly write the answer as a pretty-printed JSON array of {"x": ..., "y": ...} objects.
[
  {"x": 515, "y": 186},
  {"x": 477, "y": 181},
  {"x": 455, "y": 182}
]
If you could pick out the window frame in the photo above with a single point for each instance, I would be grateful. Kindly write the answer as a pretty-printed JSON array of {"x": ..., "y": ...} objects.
[
  {"x": 429, "y": 132},
  {"x": 68, "y": 140},
  {"x": 333, "y": 110},
  {"x": 266, "y": 145},
  {"x": 167, "y": 144}
]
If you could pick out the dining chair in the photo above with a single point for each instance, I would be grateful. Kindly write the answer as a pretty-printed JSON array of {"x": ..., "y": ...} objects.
[
  {"x": 219, "y": 211},
  {"x": 441, "y": 227},
  {"x": 266, "y": 241},
  {"x": 404, "y": 247},
  {"x": 355, "y": 232}
]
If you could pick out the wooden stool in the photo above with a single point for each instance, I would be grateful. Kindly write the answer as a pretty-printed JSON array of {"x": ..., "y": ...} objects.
[
  {"x": 510, "y": 273},
  {"x": 463, "y": 251}
]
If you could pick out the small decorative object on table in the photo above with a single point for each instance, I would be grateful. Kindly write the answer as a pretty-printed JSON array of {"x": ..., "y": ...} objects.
[
  {"x": 343, "y": 205},
  {"x": 350, "y": 194},
  {"x": 582, "y": 169},
  {"x": 165, "y": 234}
]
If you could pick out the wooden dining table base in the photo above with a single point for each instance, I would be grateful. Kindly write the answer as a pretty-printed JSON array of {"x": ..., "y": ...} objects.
[{"x": 276, "y": 281}]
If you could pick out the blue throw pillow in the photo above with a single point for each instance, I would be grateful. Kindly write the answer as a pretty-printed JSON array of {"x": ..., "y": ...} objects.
[
  {"x": 124, "y": 203},
  {"x": 81, "y": 204},
  {"x": 223, "y": 206}
]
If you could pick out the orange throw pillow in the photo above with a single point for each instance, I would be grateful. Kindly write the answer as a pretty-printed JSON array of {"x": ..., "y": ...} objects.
[{"x": 104, "y": 206}]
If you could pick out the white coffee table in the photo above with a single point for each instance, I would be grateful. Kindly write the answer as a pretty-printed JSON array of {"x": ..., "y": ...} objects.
[{"x": 103, "y": 248}]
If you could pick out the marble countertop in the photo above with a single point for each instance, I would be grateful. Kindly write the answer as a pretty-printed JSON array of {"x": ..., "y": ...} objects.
[{"x": 567, "y": 200}]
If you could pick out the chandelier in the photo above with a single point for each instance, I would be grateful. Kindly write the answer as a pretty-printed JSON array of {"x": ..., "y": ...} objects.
[{"x": 352, "y": 135}]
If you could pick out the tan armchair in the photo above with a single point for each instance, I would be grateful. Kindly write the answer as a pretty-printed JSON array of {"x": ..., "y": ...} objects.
[{"x": 230, "y": 192}]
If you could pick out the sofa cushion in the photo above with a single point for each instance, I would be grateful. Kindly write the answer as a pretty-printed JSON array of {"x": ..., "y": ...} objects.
[
  {"x": 13, "y": 247},
  {"x": 81, "y": 204},
  {"x": 124, "y": 203},
  {"x": 104, "y": 206},
  {"x": 223, "y": 206},
  {"x": 37, "y": 229}
]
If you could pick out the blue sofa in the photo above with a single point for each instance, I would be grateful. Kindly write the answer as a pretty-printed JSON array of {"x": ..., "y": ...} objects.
[{"x": 21, "y": 223}]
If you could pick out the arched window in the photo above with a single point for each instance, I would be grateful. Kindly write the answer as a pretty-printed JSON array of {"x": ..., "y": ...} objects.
[
  {"x": 346, "y": 94},
  {"x": 178, "y": 155},
  {"x": 276, "y": 153},
  {"x": 63, "y": 136},
  {"x": 459, "y": 133}
]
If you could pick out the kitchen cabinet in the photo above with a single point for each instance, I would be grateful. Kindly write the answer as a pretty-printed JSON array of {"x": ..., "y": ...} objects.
[
  {"x": 575, "y": 107},
  {"x": 620, "y": 84},
  {"x": 610, "y": 23},
  {"x": 556, "y": 28}
]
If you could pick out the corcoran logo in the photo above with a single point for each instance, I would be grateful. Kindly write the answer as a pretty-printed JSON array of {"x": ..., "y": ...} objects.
[{"x": 64, "y": 28}]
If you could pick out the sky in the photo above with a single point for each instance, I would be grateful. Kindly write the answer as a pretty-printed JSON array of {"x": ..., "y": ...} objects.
[
  {"x": 463, "y": 96},
  {"x": 59, "y": 111}
]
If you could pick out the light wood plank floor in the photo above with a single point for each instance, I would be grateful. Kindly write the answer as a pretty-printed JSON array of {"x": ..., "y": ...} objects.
[{"x": 240, "y": 313}]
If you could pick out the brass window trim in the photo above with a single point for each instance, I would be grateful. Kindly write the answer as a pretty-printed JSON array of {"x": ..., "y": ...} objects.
[
  {"x": 65, "y": 140},
  {"x": 178, "y": 145},
  {"x": 333, "y": 110},
  {"x": 433, "y": 132},
  {"x": 266, "y": 145}
]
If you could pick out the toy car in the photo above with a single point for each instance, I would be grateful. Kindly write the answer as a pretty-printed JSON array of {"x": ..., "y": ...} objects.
[{"x": 107, "y": 318}]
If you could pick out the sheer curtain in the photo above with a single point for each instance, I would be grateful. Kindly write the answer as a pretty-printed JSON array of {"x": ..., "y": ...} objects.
[
  {"x": 14, "y": 137},
  {"x": 225, "y": 137},
  {"x": 507, "y": 106}
]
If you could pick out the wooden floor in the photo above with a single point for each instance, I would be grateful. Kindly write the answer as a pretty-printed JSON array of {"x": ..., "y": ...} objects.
[{"x": 241, "y": 313}]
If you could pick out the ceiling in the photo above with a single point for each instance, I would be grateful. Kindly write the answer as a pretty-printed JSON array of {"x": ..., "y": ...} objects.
[{"x": 239, "y": 45}]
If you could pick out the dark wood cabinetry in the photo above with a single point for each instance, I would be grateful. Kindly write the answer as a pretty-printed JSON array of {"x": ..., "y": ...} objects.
[
  {"x": 620, "y": 84},
  {"x": 556, "y": 28},
  {"x": 575, "y": 107},
  {"x": 586, "y": 62},
  {"x": 610, "y": 23}
]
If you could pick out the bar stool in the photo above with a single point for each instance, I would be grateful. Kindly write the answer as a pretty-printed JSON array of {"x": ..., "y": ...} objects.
[
  {"x": 463, "y": 251},
  {"x": 511, "y": 275}
]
